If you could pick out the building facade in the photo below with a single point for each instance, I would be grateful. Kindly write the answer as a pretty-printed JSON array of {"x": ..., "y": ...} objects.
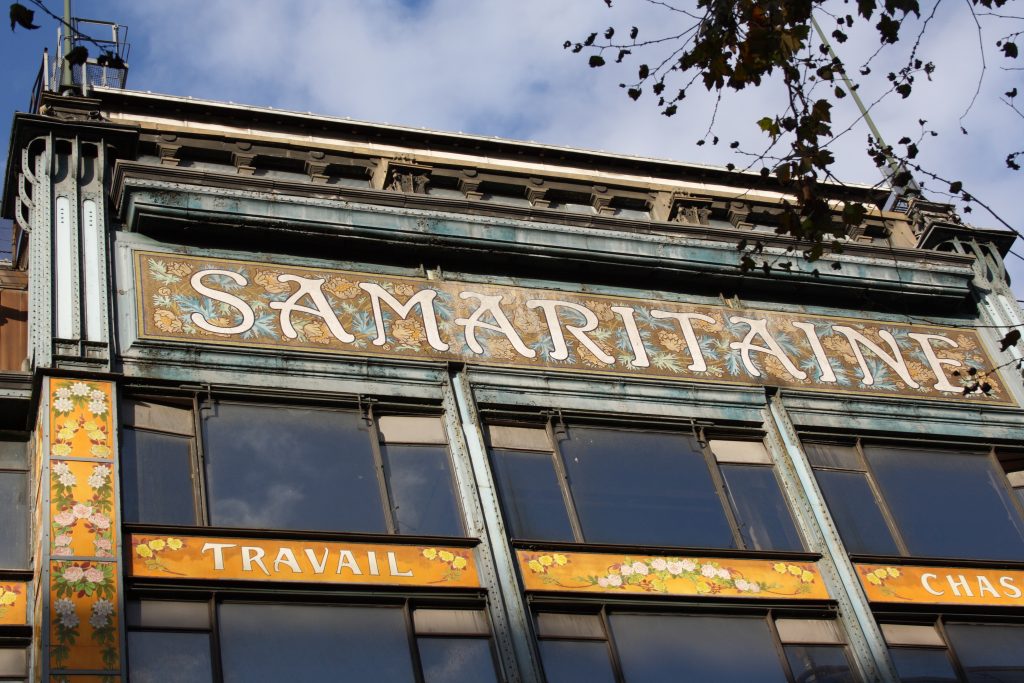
[{"x": 296, "y": 397}]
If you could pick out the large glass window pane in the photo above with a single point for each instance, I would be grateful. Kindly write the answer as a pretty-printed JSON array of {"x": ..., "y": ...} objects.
[
  {"x": 761, "y": 511},
  {"x": 643, "y": 488},
  {"x": 420, "y": 479},
  {"x": 989, "y": 653},
  {"x": 273, "y": 643},
  {"x": 168, "y": 657},
  {"x": 669, "y": 649},
  {"x": 156, "y": 475},
  {"x": 570, "y": 661},
  {"x": 531, "y": 497},
  {"x": 949, "y": 504},
  {"x": 456, "y": 660},
  {"x": 856, "y": 513},
  {"x": 922, "y": 665},
  {"x": 819, "y": 664},
  {"x": 272, "y": 467},
  {"x": 13, "y": 520}
]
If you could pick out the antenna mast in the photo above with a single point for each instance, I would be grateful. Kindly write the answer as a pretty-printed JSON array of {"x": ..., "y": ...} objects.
[
  {"x": 67, "y": 44},
  {"x": 894, "y": 166}
]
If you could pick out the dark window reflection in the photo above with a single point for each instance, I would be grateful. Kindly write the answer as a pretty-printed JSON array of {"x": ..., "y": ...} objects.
[
  {"x": 272, "y": 467},
  {"x": 989, "y": 653},
  {"x": 273, "y": 643},
  {"x": 456, "y": 660},
  {"x": 168, "y": 657},
  {"x": 14, "y": 524},
  {"x": 156, "y": 472},
  {"x": 643, "y": 488},
  {"x": 420, "y": 479},
  {"x": 949, "y": 504},
  {"x": 531, "y": 496},
  {"x": 856, "y": 513},
  {"x": 761, "y": 511},
  {"x": 669, "y": 649},
  {"x": 923, "y": 665},
  {"x": 819, "y": 664},
  {"x": 570, "y": 661}
]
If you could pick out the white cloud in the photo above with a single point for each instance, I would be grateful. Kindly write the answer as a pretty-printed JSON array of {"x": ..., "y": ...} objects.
[{"x": 497, "y": 67}]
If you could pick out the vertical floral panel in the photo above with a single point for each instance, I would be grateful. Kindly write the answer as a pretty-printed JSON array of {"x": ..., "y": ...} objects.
[
  {"x": 81, "y": 523},
  {"x": 81, "y": 424},
  {"x": 83, "y": 615},
  {"x": 81, "y": 509}
]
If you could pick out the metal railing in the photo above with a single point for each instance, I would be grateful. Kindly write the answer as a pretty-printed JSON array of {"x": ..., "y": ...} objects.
[{"x": 96, "y": 71}]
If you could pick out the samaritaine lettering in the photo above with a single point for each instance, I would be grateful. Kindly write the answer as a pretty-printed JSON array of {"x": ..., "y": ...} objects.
[{"x": 221, "y": 301}]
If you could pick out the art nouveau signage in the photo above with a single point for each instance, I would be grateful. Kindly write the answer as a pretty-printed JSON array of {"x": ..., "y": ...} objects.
[
  {"x": 669, "y": 575},
  {"x": 247, "y": 559},
  {"x": 942, "y": 585},
  {"x": 218, "y": 301}
]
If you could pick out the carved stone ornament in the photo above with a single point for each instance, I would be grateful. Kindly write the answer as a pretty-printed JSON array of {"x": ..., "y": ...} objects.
[{"x": 692, "y": 210}]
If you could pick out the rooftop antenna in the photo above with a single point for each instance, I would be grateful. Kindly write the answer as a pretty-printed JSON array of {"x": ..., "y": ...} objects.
[{"x": 897, "y": 192}]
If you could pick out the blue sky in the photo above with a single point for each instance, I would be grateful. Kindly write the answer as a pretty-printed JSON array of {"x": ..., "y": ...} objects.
[{"x": 497, "y": 67}]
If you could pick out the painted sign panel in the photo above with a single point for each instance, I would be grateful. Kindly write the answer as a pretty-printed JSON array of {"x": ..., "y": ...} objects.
[
  {"x": 14, "y": 598},
  {"x": 942, "y": 585},
  {"x": 248, "y": 559},
  {"x": 659, "y": 574},
  {"x": 83, "y": 620},
  {"x": 218, "y": 301}
]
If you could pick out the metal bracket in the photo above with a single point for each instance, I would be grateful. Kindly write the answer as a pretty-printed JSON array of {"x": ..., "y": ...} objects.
[{"x": 698, "y": 434}]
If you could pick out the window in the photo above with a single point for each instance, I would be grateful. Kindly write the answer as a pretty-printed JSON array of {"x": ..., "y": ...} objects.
[
  {"x": 13, "y": 663},
  {"x": 601, "y": 485},
  {"x": 889, "y": 500},
  {"x": 815, "y": 651},
  {"x": 14, "y": 492},
  {"x": 286, "y": 467},
  {"x": 1016, "y": 480},
  {"x": 652, "y": 647},
  {"x": 954, "y": 652},
  {"x": 172, "y": 641},
  {"x": 169, "y": 642}
]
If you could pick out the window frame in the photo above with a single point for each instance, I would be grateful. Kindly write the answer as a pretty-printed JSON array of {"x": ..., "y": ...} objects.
[
  {"x": 938, "y": 622},
  {"x": 24, "y": 467},
  {"x": 555, "y": 425},
  {"x": 213, "y": 599},
  {"x": 196, "y": 473},
  {"x": 603, "y": 610},
  {"x": 858, "y": 444},
  {"x": 367, "y": 410},
  {"x": 24, "y": 645}
]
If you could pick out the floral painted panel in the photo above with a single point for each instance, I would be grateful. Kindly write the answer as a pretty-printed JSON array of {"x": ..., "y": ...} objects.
[
  {"x": 264, "y": 305},
  {"x": 81, "y": 522},
  {"x": 247, "y": 559},
  {"x": 14, "y": 597},
  {"x": 670, "y": 575},
  {"x": 83, "y": 615},
  {"x": 81, "y": 424},
  {"x": 942, "y": 585},
  {"x": 81, "y": 509}
]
